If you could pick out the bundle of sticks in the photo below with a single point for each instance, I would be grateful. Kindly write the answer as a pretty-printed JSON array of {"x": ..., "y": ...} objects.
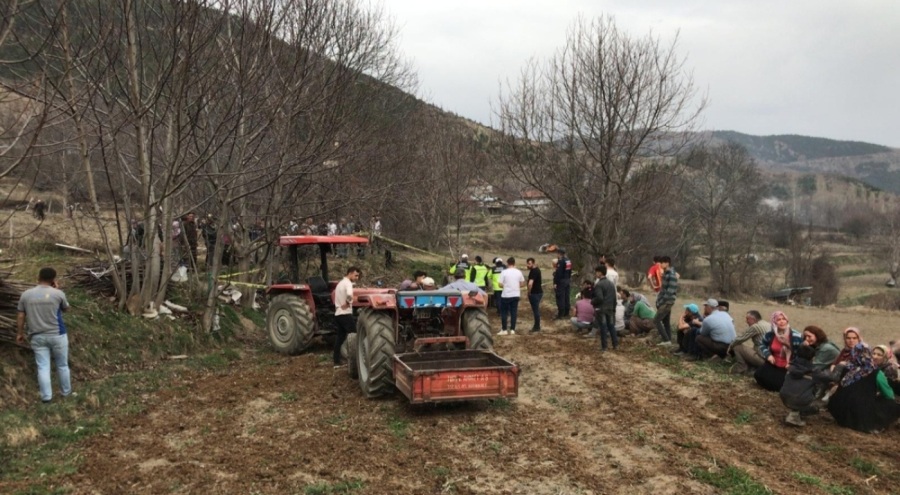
[
  {"x": 9, "y": 300},
  {"x": 98, "y": 280}
]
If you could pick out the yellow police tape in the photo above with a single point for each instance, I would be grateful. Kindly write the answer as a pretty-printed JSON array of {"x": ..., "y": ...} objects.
[{"x": 245, "y": 284}]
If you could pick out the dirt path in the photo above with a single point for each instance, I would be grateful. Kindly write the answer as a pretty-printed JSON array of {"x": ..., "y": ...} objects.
[{"x": 633, "y": 421}]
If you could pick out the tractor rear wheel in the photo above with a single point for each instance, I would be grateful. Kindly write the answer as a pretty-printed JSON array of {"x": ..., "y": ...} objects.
[
  {"x": 352, "y": 355},
  {"x": 375, "y": 334},
  {"x": 289, "y": 323},
  {"x": 477, "y": 329}
]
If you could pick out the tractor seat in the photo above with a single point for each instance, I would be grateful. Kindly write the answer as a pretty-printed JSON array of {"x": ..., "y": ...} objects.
[{"x": 319, "y": 288}]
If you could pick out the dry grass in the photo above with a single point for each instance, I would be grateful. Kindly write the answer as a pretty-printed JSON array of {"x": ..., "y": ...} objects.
[{"x": 19, "y": 436}]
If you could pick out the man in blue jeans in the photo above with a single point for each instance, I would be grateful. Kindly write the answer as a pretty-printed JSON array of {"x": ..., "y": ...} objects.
[
  {"x": 535, "y": 292},
  {"x": 41, "y": 307}
]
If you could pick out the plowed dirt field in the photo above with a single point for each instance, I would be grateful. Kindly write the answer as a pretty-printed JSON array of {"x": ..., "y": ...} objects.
[{"x": 632, "y": 421}]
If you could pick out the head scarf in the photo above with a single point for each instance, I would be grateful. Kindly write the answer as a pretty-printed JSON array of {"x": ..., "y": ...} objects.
[
  {"x": 859, "y": 366},
  {"x": 889, "y": 366},
  {"x": 783, "y": 336},
  {"x": 854, "y": 330}
]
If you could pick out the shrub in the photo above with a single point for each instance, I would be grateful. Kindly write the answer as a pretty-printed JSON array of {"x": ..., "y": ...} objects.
[{"x": 825, "y": 282}]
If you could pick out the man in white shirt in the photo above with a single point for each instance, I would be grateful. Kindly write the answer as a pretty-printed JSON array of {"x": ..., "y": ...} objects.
[
  {"x": 511, "y": 280},
  {"x": 343, "y": 310},
  {"x": 611, "y": 272}
]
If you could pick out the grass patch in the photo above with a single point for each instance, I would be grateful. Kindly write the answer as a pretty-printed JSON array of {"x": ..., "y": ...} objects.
[
  {"x": 865, "y": 467},
  {"x": 288, "y": 396},
  {"x": 340, "y": 487},
  {"x": 38, "y": 442},
  {"x": 398, "y": 427},
  {"x": 441, "y": 471},
  {"x": 828, "y": 449},
  {"x": 500, "y": 404},
  {"x": 808, "y": 479},
  {"x": 731, "y": 481},
  {"x": 689, "y": 445},
  {"x": 336, "y": 420},
  {"x": 257, "y": 317},
  {"x": 743, "y": 417}
]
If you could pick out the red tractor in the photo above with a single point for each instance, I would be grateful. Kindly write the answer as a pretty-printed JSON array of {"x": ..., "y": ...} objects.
[
  {"x": 389, "y": 325},
  {"x": 302, "y": 309}
]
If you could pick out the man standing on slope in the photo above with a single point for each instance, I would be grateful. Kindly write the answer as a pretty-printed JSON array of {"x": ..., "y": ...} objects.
[
  {"x": 512, "y": 281},
  {"x": 535, "y": 292},
  {"x": 562, "y": 280},
  {"x": 42, "y": 308},
  {"x": 665, "y": 300}
]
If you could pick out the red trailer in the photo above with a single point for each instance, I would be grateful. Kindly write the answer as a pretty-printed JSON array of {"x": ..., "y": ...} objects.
[{"x": 443, "y": 376}]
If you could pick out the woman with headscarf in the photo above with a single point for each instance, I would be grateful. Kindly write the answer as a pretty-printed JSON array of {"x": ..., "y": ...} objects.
[
  {"x": 864, "y": 401},
  {"x": 885, "y": 361},
  {"x": 852, "y": 336},
  {"x": 777, "y": 348},
  {"x": 826, "y": 351}
]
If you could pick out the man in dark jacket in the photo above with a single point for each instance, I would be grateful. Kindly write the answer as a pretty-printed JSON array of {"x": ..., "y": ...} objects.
[
  {"x": 562, "y": 281},
  {"x": 799, "y": 389},
  {"x": 604, "y": 302}
]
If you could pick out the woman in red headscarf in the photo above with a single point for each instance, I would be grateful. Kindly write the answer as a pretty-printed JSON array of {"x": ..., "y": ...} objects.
[{"x": 777, "y": 348}]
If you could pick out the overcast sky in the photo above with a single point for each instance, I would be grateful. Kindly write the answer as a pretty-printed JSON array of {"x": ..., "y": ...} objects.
[{"x": 822, "y": 68}]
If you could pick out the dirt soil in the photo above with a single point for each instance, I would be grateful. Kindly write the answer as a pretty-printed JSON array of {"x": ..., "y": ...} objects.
[{"x": 631, "y": 421}]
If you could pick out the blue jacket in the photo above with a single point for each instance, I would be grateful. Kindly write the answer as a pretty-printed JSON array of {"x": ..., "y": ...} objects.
[
  {"x": 563, "y": 273},
  {"x": 765, "y": 348}
]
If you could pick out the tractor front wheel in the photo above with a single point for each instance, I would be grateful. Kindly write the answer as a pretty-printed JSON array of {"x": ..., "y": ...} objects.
[
  {"x": 375, "y": 349},
  {"x": 477, "y": 329},
  {"x": 289, "y": 323}
]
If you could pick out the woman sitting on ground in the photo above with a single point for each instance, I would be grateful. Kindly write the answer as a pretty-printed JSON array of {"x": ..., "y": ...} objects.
[
  {"x": 851, "y": 338},
  {"x": 864, "y": 401},
  {"x": 826, "y": 352},
  {"x": 778, "y": 345},
  {"x": 883, "y": 359},
  {"x": 799, "y": 390}
]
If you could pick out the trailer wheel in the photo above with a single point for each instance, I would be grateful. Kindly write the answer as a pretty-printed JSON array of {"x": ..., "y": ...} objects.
[
  {"x": 349, "y": 349},
  {"x": 478, "y": 330},
  {"x": 289, "y": 323},
  {"x": 375, "y": 334}
]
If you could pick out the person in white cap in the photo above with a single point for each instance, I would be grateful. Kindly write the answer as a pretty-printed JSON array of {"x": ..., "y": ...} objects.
[{"x": 716, "y": 333}]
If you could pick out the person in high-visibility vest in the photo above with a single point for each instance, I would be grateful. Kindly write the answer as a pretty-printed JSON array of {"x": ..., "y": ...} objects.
[
  {"x": 495, "y": 282},
  {"x": 478, "y": 274},
  {"x": 462, "y": 264}
]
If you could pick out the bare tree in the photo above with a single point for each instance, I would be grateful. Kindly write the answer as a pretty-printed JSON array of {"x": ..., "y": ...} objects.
[
  {"x": 581, "y": 126},
  {"x": 723, "y": 190}
]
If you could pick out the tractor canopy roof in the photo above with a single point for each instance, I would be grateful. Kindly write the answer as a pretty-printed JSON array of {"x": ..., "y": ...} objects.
[{"x": 290, "y": 240}]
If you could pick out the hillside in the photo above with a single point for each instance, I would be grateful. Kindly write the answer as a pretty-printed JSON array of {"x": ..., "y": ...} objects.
[{"x": 874, "y": 165}]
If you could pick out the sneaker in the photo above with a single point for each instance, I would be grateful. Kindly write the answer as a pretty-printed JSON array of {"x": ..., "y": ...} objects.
[
  {"x": 512, "y": 332},
  {"x": 590, "y": 335},
  {"x": 665, "y": 343},
  {"x": 339, "y": 366},
  {"x": 72, "y": 394},
  {"x": 502, "y": 332},
  {"x": 794, "y": 419}
]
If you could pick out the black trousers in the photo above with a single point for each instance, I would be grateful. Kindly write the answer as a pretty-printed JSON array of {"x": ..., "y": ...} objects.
[{"x": 345, "y": 325}]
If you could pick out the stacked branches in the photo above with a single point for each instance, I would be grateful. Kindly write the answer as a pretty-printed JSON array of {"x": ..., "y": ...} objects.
[{"x": 9, "y": 300}]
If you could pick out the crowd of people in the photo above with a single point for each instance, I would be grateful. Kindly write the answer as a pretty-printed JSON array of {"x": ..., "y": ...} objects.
[{"x": 857, "y": 384}]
